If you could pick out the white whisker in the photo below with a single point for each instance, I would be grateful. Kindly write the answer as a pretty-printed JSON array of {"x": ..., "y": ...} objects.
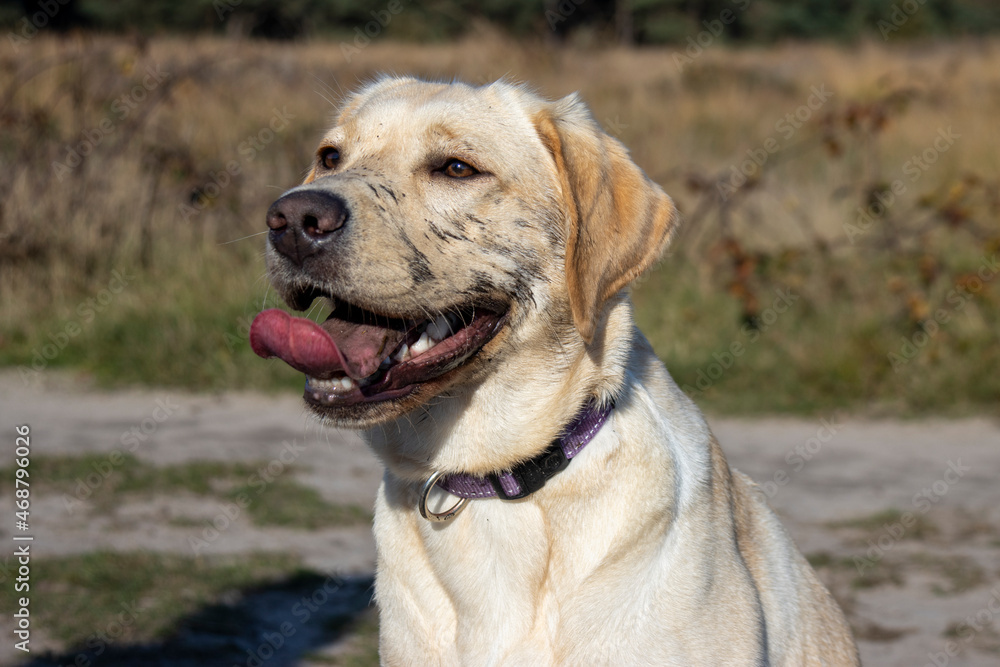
[{"x": 243, "y": 238}]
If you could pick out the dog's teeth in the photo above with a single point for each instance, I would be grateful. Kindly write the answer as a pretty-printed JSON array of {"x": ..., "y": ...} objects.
[
  {"x": 324, "y": 385},
  {"x": 385, "y": 363},
  {"x": 423, "y": 344},
  {"x": 439, "y": 329},
  {"x": 331, "y": 386},
  {"x": 403, "y": 354}
]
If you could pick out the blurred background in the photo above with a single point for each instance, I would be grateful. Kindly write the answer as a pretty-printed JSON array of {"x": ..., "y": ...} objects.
[{"x": 837, "y": 167}]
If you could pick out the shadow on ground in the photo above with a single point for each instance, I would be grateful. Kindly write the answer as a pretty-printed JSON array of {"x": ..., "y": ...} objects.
[{"x": 276, "y": 624}]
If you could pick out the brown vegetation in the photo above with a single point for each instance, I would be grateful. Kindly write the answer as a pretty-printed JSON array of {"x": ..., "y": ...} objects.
[{"x": 860, "y": 183}]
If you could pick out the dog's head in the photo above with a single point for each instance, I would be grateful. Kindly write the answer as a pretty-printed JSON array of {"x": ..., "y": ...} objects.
[{"x": 458, "y": 233}]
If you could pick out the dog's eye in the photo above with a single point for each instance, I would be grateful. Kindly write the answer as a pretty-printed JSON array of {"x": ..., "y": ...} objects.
[
  {"x": 329, "y": 157},
  {"x": 458, "y": 169}
]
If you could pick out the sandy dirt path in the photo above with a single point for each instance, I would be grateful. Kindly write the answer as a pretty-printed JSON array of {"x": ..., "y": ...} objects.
[{"x": 902, "y": 518}]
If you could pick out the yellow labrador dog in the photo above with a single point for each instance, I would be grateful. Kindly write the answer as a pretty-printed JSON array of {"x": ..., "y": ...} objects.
[{"x": 550, "y": 496}]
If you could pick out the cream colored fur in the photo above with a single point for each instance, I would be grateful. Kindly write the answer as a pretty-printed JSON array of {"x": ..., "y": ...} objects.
[{"x": 646, "y": 550}]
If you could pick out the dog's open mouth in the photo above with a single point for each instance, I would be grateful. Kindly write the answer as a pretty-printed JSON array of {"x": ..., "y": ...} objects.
[{"x": 358, "y": 356}]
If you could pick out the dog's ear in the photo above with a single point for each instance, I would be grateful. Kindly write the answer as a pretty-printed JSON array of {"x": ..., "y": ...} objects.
[{"x": 618, "y": 221}]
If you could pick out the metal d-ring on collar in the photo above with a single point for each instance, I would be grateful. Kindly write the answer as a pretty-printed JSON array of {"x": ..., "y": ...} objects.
[
  {"x": 525, "y": 478},
  {"x": 438, "y": 516}
]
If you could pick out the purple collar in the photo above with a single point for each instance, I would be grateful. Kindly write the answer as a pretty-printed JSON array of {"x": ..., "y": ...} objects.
[{"x": 527, "y": 477}]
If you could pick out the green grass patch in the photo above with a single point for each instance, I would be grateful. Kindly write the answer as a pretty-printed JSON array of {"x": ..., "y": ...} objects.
[
  {"x": 359, "y": 648},
  {"x": 958, "y": 573},
  {"x": 196, "y": 339},
  {"x": 289, "y": 504},
  {"x": 135, "y": 596},
  {"x": 825, "y": 559},
  {"x": 363, "y": 647},
  {"x": 882, "y": 573},
  {"x": 102, "y": 480},
  {"x": 873, "y": 574},
  {"x": 817, "y": 348},
  {"x": 915, "y": 526}
]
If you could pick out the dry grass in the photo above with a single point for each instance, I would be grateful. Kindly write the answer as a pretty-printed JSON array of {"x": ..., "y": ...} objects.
[{"x": 144, "y": 201}]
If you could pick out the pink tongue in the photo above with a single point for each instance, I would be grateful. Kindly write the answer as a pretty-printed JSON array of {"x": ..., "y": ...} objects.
[{"x": 321, "y": 351}]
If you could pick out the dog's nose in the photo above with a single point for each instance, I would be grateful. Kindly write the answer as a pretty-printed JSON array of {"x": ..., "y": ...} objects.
[{"x": 302, "y": 223}]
